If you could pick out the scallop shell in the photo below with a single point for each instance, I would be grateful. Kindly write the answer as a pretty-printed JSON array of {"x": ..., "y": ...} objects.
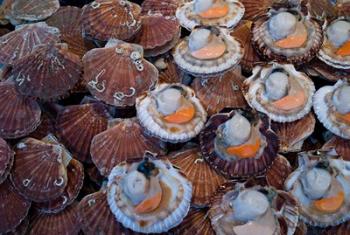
[
  {"x": 255, "y": 9},
  {"x": 48, "y": 73},
  {"x": 121, "y": 78},
  {"x": 46, "y": 127},
  {"x": 321, "y": 9},
  {"x": 14, "y": 208},
  {"x": 34, "y": 10},
  {"x": 75, "y": 175},
  {"x": 264, "y": 44},
  {"x": 189, "y": 19},
  {"x": 19, "y": 115},
  {"x": 195, "y": 223},
  {"x": 205, "y": 181},
  {"x": 212, "y": 67},
  {"x": 242, "y": 168},
  {"x": 68, "y": 20},
  {"x": 340, "y": 146},
  {"x": 20, "y": 229},
  {"x": 6, "y": 160},
  {"x": 24, "y": 39},
  {"x": 154, "y": 125},
  {"x": 39, "y": 171},
  {"x": 224, "y": 91},
  {"x": 119, "y": 19},
  {"x": 293, "y": 134},
  {"x": 65, "y": 222},
  {"x": 278, "y": 172},
  {"x": 122, "y": 141},
  {"x": 94, "y": 174},
  {"x": 168, "y": 71},
  {"x": 158, "y": 34},
  {"x": 164, "y": 7},
  {"x": 77, "y": 125},
  {"x": 325, "y": 71}
]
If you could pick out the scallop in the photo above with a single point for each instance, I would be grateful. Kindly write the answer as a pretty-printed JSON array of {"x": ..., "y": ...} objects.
[
  {"x": 164, "y": 7},
  {"x": 6, "y": 160},
  {"x": 34, "y": 10}
]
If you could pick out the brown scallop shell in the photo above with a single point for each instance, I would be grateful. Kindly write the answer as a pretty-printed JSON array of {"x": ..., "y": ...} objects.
[
  {"x": 293, "y": 134},
  {"x": 340, "y": 145},
  {"x": 119, "y": 79},
  {"x": 103, "y": 20},
  {"x": 224, "y": 91},
  {"x": 94, "y": 174},
  {"x": 65, "y": 222},
  {"x": 164, "y": 7},
  {"x": 321, "y": 9},
  {"x": 195, "y": 223},
  {"x": 254, "y": 9},
  {"x": 75, "y": 175},
  {"x": 39, "y": 171},
  {"x": 20, "y": 229},
  {"x": 24, "y": 39},
  {"x": 243, "y": 34},
  {"x": 68, "y": 20},
  {"x": 122, "y": 141},
  {"x": 76, "y": 125},
  {"x": 34, "y": 10},
  {"x": 278, "y": 172},
  {"x": 343, "y": 9},
  {"x": 158, "y": 34},
  {"x": 325, "y": 71},
  {"x": 168, "y": 70},
  {"x": 6, "y": 160},
  {"x": 48, "y": 73},
  {"x": 205, "y": 181},
  {"x": 46, "y": 127},
  {"x": 242, "y": 168},
  {"x": 14, "y": 208},
  {"x": 19, "y": 115}
]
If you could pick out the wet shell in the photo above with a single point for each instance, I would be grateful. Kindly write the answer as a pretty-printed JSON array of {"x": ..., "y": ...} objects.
[
  {"x": 68, "y": 20},
  {"x": 121, "y": 78},
  {"x": 205, "y": 181},
  {"x": 46, "y": 127},
  {"x": 19, "y": 115},
  {"x": 76, "y": 125},
  {"x": 65, "y": 222},
  {"x": 164, "y": 7},
  {"x": 278, "y": 173},
  {"x": 321, "y": 9},
  {"x": 39, "y": 171},
  {"x": 293, "y": 134},
  {"x": 14, "y": 208},
  {"x": 255, "y": 9},
  {"x": 34, "y": 10},
  {"x": 103, "y": 19},
  {"x": 158, "y": 34},
  {"x": 124, "y": 140},
  {"x": 224, "y": 91},
  {"x": 48, "y": 73},
  {"x": 24, "y": 39},
  {"x": 195, "y": 223},
  {"x": 6, "y": 160},
  {"x": 325, "y": 71},
  {"x": 241, "y": 168},
  {"x": 75, "y": 175},
  {"x": 340, "y": 146},
  {"x": 168, "y": 71}
]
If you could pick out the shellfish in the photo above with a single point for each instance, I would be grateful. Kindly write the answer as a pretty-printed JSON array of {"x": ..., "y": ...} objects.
[
  {"x": 33, "y": 10},
  {"x": 239, "y": 144},
  {"x": 164, "y": 7},
  {"x": 338, "y": 146},
  {"x": 6, "y": 160},
  {"x": 148, "y": 196},
  {"x": 120, "y": 79},
  {"x": 171, "y": 112},
  {"x": 168, "y": 71}
]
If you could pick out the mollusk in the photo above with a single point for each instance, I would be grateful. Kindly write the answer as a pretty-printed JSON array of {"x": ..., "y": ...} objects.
[
  {"x": 148, "y": 196},
  {"x": 332, "y": 107},
  {"x": 164, "y": 7},
  {"x": 281, "y": 92},
  {"x": 6, "y": 160},
  {"x": 122, "y": 77},
  {"x": 318, "y": 68},
  {"x": 338, "y": 146},
  {"x": 33, "y": 10},
  {"x": 168, "y": 70},
  {"x": 208, "y": 52},
  {"x": 171, "y": 112},
  {"x": 223, "y": 13}
]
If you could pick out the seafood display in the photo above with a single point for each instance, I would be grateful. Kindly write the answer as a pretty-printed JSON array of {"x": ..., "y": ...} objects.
[{"x": 177, "y": 117}]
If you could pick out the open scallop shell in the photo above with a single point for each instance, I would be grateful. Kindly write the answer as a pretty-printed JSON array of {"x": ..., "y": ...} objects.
[
  {"x": 14, "y": 208},
  {"x": 19, "y": 115},
  {"x": 34, "y": 10},
  {"x": 325, "y": 71},
  {"x": 169, "y": 214},
  {"x": 257, "y": 99},
  {"x": 6, "y": 160},
  {"x": 164, "y": 7},
  {"x": 119, "y": 19},
  {"x": 48, "y": 73},
  {"x": 122, "y": 141},
  {"x": 340, "y": 146},
  {"x": 22, "y": 41},
  {"x": 153, "y": 123},
  {"x": 158, "y": 34},
  {"x": 324, "y": 110},
  {"x": 75, "y": 175},
  {"x": 39, "y": 171},
  {"x": 293, "y": 134},
  {"x": 205, "y": 181},
  {"x": 212, "y": 67},
  {"x": 239, "y": 168},
  {"x": 189, "y": 19},
  {"x": 122, "y": 77},
  {"x": 76, "y": 125},
  {"x": 65, "y": 222},
  {"x": 224, "y": 91}
]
